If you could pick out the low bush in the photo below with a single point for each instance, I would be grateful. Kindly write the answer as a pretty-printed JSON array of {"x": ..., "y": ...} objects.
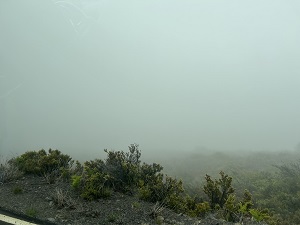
[
  {"x": 93, "y": 183},
  {"x": 31, "y": 212},
  {"x": 62, "y": 199},
  {"x": 9, "y": 171},
  {"x": 17, "y": 190},
  {"x": 163, "y": 189},
  {"x": 123, "y": 172},
  {"x": 95, "y": 186},
  {"x": 51, "y": 165},
  {"x": 219, "y": 190},
  {"x": 223, "y": 201},
  {"x": 119, "y": 172}
]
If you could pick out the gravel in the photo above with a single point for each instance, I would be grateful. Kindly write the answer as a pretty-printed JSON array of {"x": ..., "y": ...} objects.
[
  {"x": 33, "y": 196},
  {"x": 59, "y": 204}
]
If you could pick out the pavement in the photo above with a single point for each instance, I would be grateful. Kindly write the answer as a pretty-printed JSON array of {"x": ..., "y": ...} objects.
[{"x": 8, "y": 218}]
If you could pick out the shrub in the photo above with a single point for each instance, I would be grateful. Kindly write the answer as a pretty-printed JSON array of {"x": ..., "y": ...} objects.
[
  {"x": 76, "y": 181},
  {"x": 123, "y": 167},
  {"x": 94, "y": 186},
  {"x": 144, "y": 193},
  {"x": 29, "y": 162},
  {"x": 246, "y": 203},
  {"x": 136, "y": 205},
  {"x": 259, "y": 215},
  {"x": 201, "y": 209},
  {"x": 9, "y": 171},
  {"x": 62, "y": 199},
  {"x": 31, "y": 212},
  {"x": 149, "y": 173},
  {"x": 119, "y": 172},
  {"x": 123, "y": 171},
  {"x": 17, "y": 190},
  {"x": 219, "y": 190},
  {"x": 162, "y": 189},
  {"x": 92, "y": 182},
  {"x": 230, "y": 209},
  {"x": 150, "y": 181},
  {"x": 224, "y": 203},
  {"x": 51, "y": 165},
  {"x": 157, "y": 209},
  {"x": 195, "y": 208}
]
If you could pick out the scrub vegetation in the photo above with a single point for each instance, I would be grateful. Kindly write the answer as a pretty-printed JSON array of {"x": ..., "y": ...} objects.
[
  {"x": 271, "y": 181},
  {"x": 238, "y": 196}
]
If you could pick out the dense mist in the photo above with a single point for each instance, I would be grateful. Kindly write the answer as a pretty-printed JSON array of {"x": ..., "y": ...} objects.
[{"x": 172, "y": 76}]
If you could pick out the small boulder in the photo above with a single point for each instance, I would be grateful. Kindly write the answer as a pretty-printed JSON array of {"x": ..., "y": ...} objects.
[{"x": 52, "y": 220}]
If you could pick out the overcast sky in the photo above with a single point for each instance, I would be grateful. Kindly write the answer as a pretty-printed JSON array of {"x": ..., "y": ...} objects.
[{"x": 169, "y": 75}]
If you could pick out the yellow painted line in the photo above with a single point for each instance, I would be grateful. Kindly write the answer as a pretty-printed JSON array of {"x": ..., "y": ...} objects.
[{"x": 12, "y": 220}]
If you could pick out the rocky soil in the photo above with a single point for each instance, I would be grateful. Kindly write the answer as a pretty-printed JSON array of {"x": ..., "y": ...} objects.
[{"x": 57, "y": 203}]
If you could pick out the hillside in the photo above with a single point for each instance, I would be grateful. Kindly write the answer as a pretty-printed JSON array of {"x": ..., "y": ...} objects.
[
  {"x": 117, "y": 190},
  {"x": 34, "y": 197}
]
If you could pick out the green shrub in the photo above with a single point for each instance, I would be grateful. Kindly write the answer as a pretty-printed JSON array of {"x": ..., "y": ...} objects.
[
  {"x": 163, "y": 189},
  {"x": 93, "y": 183},
  {"x": 219, "y": 190},
  {"x": 150, "y": 174},
  {"x": 17, "y": 190},
  {"x": 136, "y": 205},
  {"x": 29, "y": 162},
  {"x": 121, "y": 171},
  {"x": 32, "y": 212},
  {"x": 246, "y": 203},
  {"x": 230, "y": 209},
  {"x": 76, "y": 181},
  {"x": 201, "y": 209},
  {"x": 51, "y": 165},
  {"x": 224, "y": 203},
  {"x": 94, "y": 186},
  {"x": 144, "y": 193},
  {"x": 259, "y": 215},
  {"x": 123, "y": 167},
  {"x": 195, "y": 208}
]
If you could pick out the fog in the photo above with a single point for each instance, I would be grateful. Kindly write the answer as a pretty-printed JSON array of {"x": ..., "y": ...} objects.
[{"x": 172, "y": 76}]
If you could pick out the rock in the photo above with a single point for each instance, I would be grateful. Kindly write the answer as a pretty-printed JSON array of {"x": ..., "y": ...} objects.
[
  {"x": 51, "y": 203},
  {"x": 52, "y": 220}
]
